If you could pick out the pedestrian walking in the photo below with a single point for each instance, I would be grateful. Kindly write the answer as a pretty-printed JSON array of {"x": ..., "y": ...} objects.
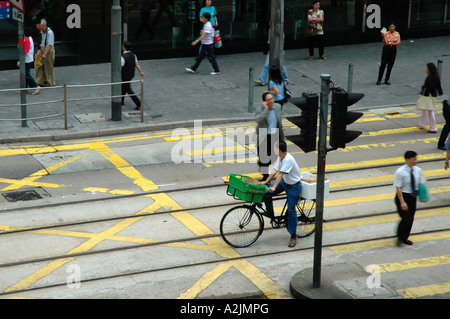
[
  {"x": 269, "y": 129},
  {"x": 265, "y": 71},
  {"x": 208, "y": 7},
  {"x": 391, "y": 40},
  {"x": 129, "y": 63},
  {"x": 407, "y": 179},
  {"x": 29, "y": 61},
  {"x": 45, "y": 72},
  {"x": 316, "y": 18},
  {"x": 427, "y": 100},
  {"x": 446, "y": 129},
  {"x": 288, "y": 179},
  {"x": 207, "y": 46},
  {"x": 277, "y": 87}
]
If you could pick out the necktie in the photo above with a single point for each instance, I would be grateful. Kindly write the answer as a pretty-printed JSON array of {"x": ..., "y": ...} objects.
[{"x": 413, "y": 184}]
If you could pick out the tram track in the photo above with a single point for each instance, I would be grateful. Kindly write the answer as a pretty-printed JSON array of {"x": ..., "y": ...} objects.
[
  {"x": 300, "y": 248},
  {"x": 177, "y": 190},
  {"x": 174, "y": 242}
]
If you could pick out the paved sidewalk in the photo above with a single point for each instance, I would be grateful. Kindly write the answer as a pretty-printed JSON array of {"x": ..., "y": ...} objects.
[{"x": 174, "y": 98}]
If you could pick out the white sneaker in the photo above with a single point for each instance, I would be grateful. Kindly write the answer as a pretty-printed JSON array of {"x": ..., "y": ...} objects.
[
  {"x": 215, "y": 73},
  {"x": 190, "y": 70}
]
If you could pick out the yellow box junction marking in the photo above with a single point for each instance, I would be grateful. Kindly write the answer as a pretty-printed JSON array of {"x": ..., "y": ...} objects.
[{"x": 161, "y": 201}]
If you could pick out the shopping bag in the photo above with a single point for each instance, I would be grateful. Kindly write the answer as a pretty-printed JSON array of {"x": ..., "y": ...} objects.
[
  {"x": 217, "y": 39},
  {"x": 424, "y": 195}
]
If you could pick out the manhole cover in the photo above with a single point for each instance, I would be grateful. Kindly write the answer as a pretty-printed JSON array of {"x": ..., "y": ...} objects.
[
  {"x": 21, "y": 196},
  {"x": 90, "y": 117}
]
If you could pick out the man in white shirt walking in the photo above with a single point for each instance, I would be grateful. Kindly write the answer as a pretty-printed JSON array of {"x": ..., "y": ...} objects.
[
  {"x": 207, "y": 46},
  {"x": 407, "y": 179},
  {"x": 288, "y": 180}
]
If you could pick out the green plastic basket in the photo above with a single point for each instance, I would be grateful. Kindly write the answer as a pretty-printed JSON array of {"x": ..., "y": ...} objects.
[{"x": 238, "y": 188}]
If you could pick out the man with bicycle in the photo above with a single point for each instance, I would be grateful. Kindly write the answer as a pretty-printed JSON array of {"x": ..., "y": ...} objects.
[{"x": 289, "y": 180}]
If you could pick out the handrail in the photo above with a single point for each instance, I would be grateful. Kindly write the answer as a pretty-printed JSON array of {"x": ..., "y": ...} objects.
[{"x": 65, "y": 99}]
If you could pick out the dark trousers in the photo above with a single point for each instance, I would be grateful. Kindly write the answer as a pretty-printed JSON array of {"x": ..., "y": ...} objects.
[
  {"x": 208, "y": 50},
  {"x": 387, "y": 59},
  {"x": 126, "y": 88},
  {"x": 31, "y": 83},
  {"x": 407, "y": 217},
  {"x": 320, "y": 44},
  {"x": 446, "y": 128}
]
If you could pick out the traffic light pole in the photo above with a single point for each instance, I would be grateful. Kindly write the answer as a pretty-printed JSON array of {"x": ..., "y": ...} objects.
[
  {"x": 276, "y": 34},
  {"x": 321, "y": 164},
  {"x": 116, "y": 39}
]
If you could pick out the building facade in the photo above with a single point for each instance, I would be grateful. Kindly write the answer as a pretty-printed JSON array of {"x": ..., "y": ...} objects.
[{"x": 165, "y": 28}]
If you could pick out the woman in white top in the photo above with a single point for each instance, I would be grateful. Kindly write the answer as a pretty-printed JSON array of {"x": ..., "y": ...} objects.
[
  {"x": 315, "y": 20},
  {"x": 29, "y": 61}
]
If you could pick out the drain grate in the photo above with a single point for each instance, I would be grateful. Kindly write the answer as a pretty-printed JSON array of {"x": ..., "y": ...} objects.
[{"x": 21, "y": 196}]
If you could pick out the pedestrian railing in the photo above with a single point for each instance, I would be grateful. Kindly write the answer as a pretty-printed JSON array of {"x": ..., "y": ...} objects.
[{"x": 65, "y": 100}]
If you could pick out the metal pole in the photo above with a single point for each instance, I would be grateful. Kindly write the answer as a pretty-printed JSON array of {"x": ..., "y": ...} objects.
[
  {"x": 125, "y": 20},
  {"x": 321, "y": 163},
  {"x": 65, "y": 106},
  {"x": 116, "y": 34},
  {"x": 251, "y": 88},
  {"x": 276, "y": 33},
  {"x": 350, "y": 78},
  {"x": 23, "y": 93},
  {"x": 439, "y": 67},
  {"x": 142, "y": 100}
]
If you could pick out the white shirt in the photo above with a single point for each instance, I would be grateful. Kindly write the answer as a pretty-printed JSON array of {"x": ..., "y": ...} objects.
[
  {"x": 288, "y": 166},
  {"x": 402, "y": 178},
  {"x": 209, "y": 30},
  {"x": 29, "y": 57}
]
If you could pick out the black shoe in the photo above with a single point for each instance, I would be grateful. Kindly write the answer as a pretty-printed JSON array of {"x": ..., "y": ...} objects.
[
  {"x": 406, "y": 242},
  {"x": 137, "y": 108},
  {"x": 442, "y": 148},
  {"x": 387, "y": 82},
  {"x": 378, "y": 82}
]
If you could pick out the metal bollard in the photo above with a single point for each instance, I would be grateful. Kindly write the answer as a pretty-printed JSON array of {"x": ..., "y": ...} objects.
[
  {"x": 350, "y": 78},
  {"x": 142, "y": 100},
  {"x": 251, "y": 88},
  {"x": 65, "y": 106}
]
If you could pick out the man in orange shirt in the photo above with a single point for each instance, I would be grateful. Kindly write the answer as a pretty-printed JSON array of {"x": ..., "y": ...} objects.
[{"x": 391, "y": 40}]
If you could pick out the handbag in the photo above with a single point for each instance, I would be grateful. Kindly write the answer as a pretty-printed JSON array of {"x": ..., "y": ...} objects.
[
  {"x": 310, "y": 31},
  {"x": 424, "y": 195},
  {"x": 217, "y": 39},
  {"x": 426, "y": 103},
  {"x": 287, "y": 93}
]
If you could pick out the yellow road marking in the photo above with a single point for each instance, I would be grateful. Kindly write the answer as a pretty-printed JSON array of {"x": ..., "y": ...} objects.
[
  {"x": 206, "y": 280},
  {"x": 388, "y": 242},
  {"x": 423, "y": 291},
  {"x": 413, "y": 264},
  {"x": 41, "y": 273},
  {"x": 28, "y": 183}
]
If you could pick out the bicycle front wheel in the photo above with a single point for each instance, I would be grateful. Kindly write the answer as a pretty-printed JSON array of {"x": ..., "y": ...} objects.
[
  {"x": 241, "y": 226},
  {"x": 306, "y": 217}
]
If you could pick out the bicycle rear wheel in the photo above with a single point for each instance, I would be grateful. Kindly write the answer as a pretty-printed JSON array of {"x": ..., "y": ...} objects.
[
  {"x": 241, "y": 226},
  {"x": 306, "y": 217}
]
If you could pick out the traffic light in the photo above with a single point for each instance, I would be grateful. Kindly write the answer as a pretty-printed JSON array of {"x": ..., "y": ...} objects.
[
  {"x": 307, "y": 122},
  {"x": 340, "y": 117}
]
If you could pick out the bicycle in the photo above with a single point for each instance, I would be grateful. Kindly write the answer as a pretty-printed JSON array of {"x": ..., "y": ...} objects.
[{"x": 242, "y": 225}]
